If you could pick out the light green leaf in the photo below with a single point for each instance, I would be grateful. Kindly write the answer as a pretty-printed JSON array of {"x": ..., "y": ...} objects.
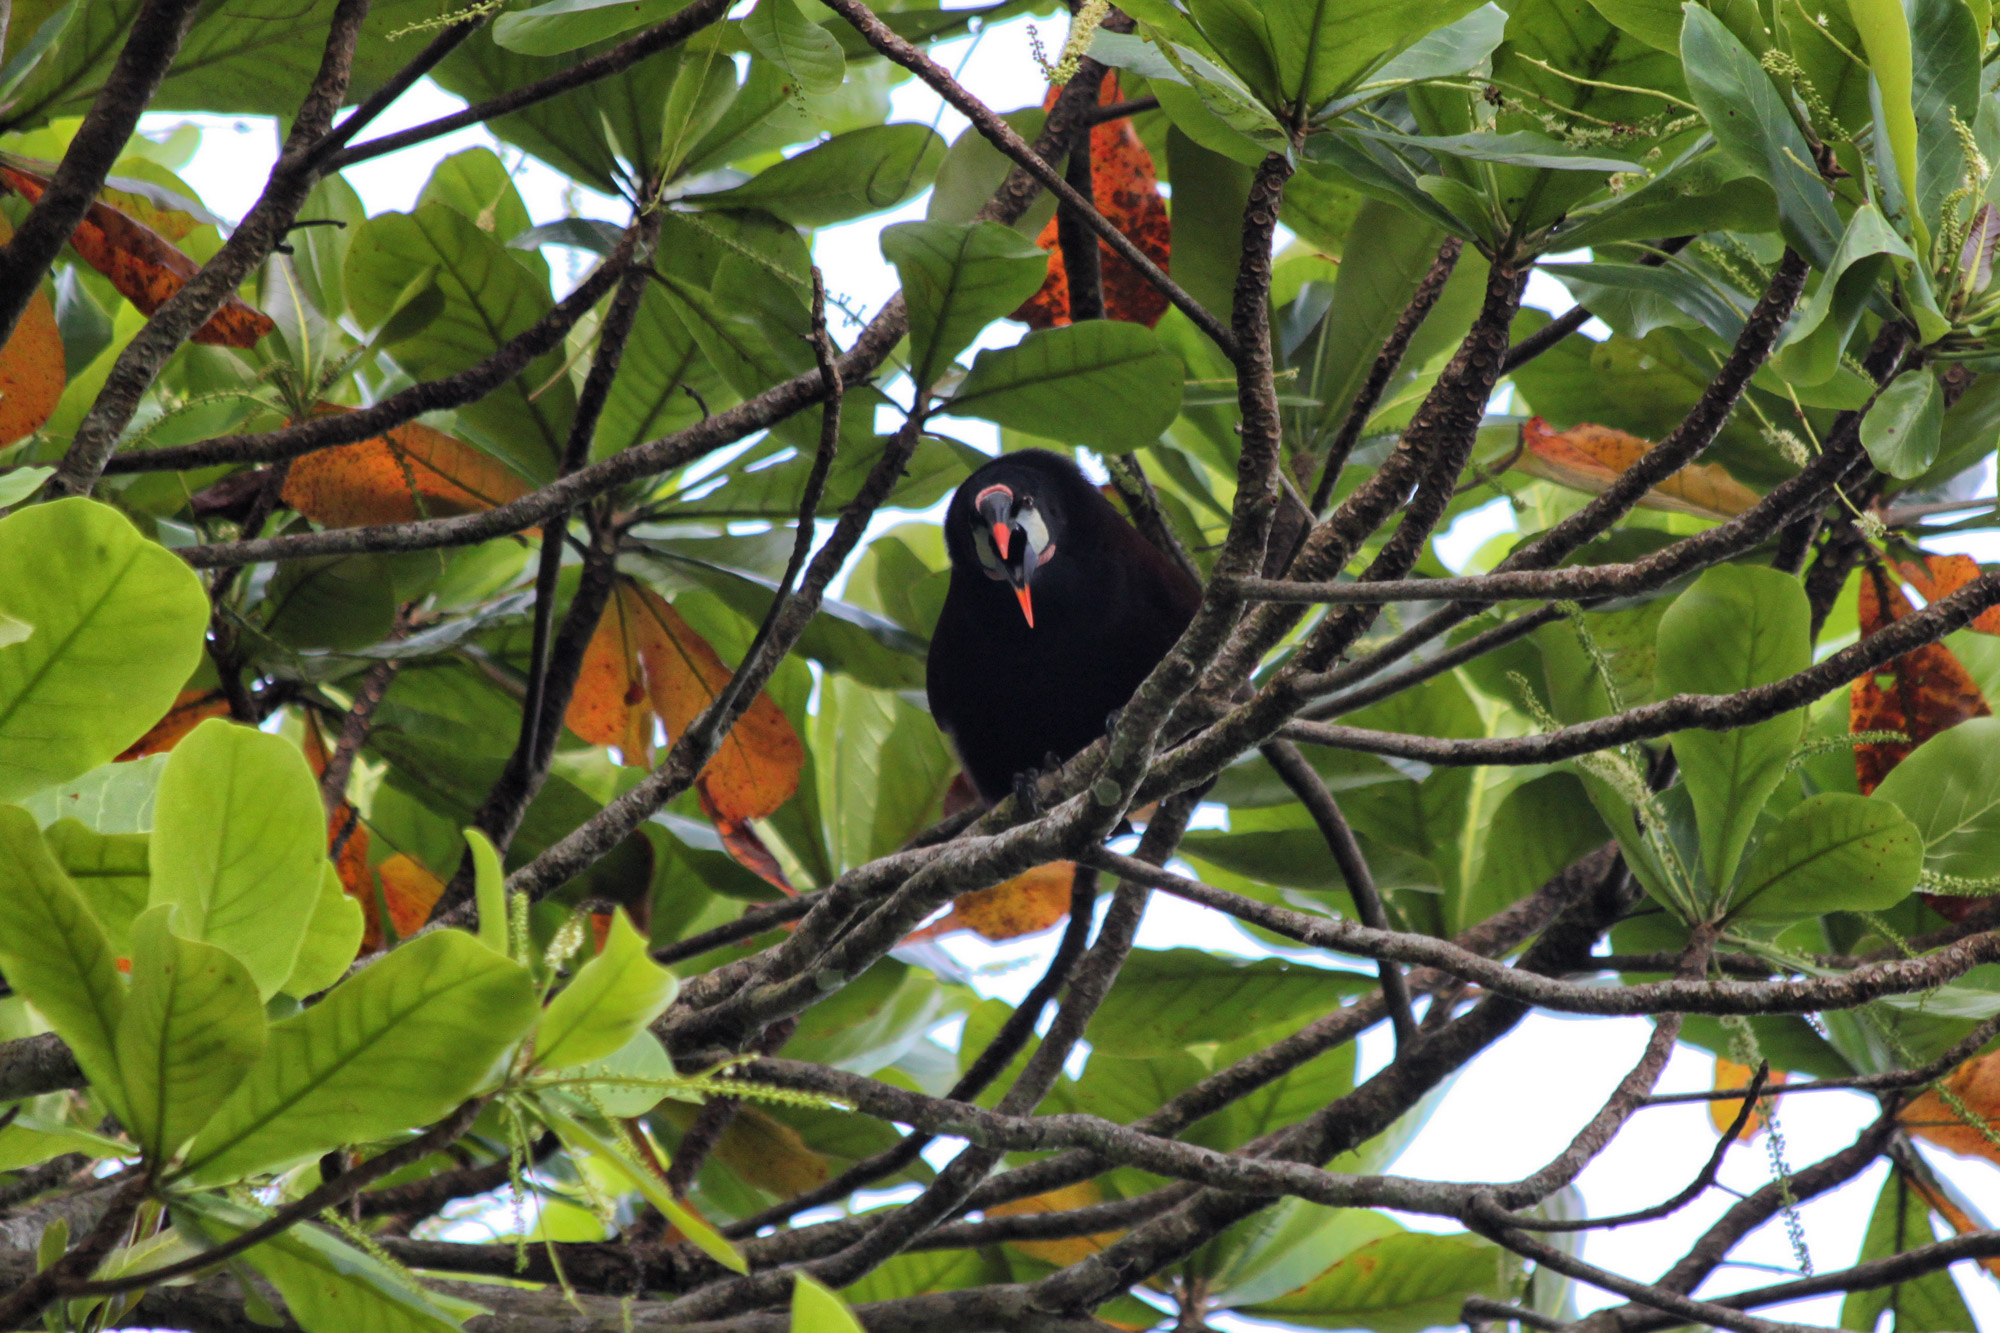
[
  {"x": 328, "y": 1285},
  {"x": 628, "y": 1082},
  {"x": 1944, "y": 49},
  {"x": 957, "y": 279},
  {"x": 863, "y": 171},
  {"x": 1169, "y": 999},
  {"x": 489, "y": 891},
  {"x": 565, "y": 25},
  {"x": 193, "y": 1026},
  {"x": 1386, "y": 255},
  {"x": 1399, "y": 1283},
  {"x": 1833, "y": 852},
  {"x": 395, "y": 1046},
  {"x": 583, "y": 1140},
  {"x": 111, "y": 798},
  {"x": 17, "y": 484},
  {"x": 1950, "y": 788},
  {"x": 1810, "y": 352},
  {"x": 1749, "y": 120},
  {"x": 1737, "y": 627},
  {"x": 333, "y": 936},
  {"x": 613, "y": 996},
  {"x": 1314, "y": 49},
  {"x": 109, "y": 870},
  {"x": 1885, "y": 37},
  {"x": 777, "y": 31},
  {"x": 237, "y": 845},
  {"x": 53, "y": 952},
  {"x": 1902, "y": 1221},
  {"x": 1521, "y": 148},
  {"x": 118, "y": 623},
  {"x": 1902, "y": 431},
  {"x": 817, "y": 1310},
  {"x": 1102, "y": 383},
  {"x": 883, "y": 767},
  {"x": 1635, "y": 299}
]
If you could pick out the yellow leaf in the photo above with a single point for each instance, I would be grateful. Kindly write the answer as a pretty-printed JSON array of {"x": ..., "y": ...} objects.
[
  {"x": 1021, "y": 906},
  {"x": 1729, "y": 1076},
  {"x": 1070, "y": 1249},
  {"x": 1589, "y": 457},
  {"x": 408, "y": 473}
]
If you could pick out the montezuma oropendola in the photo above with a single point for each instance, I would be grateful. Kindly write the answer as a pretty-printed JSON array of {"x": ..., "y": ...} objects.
[{"x": 1057, "y": 609}]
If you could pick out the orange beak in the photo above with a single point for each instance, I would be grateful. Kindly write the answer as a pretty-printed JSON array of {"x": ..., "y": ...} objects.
[
  {"x": 1027, "y": 607},
  {"x": 1002, "y": 535}
]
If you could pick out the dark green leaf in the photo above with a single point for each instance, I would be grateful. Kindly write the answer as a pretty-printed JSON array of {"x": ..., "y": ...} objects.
[
  {"x": 1102, "y": 383},
  {"x": 863, "y": 171}
]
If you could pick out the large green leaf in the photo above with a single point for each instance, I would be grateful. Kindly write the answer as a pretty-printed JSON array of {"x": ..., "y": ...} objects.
[
  {"x": 394, "y": 1047},
  {"x": 1739, "y": 626},
  {"x": 1885, "y": 37},
  {"x": 53, "y": 951},
  {"x": 958, "y": 277},
  {"x": 1950, "y": 788},
  {"x": 862, "y": 171},
  {"x": 609, "y": 1001},
  {"x": 780, "y": 33},
  {"x": 1810, "y": 351},
  {"x": 1930, "y": 1303},
  {"x": 1748, "y": 118},
  {"x": 1302, "y": 53},
  {"x": 1169, "y": 999},
  {"x": 193, "y": 1026},
  {"x": 1103, "y": 383},
  {"x": 883, "y": 768},
  {"x": 328, "y": 1285},
  {"x": 237, "y": 845},
  {"x": 487, "y": 298},
  {"x": 116, "y": 626},
  {"x": 1832, "y": 853},
  {"x": 110, "y": 870},
  {"x": 1539, "y": 828},
  {"x": 333, "y": 936},
  {"x": 1904, "y": 429},
  {"x": 565, "y": 25},
  {"x": 1400, "y": 1282},
  {"x": 817, "y": 1310},
  {"x": 1944, "y": 52},
  {"x": 1386, "y": 255}
]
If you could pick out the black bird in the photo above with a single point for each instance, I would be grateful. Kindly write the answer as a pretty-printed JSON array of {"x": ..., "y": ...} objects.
[{"x": 1057, "y": 609}]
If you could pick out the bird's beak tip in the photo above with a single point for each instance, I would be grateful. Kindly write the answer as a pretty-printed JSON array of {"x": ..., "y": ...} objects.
[
  {"x": 1002, "y": 537},
  {"x": 1027, "y": 605}
]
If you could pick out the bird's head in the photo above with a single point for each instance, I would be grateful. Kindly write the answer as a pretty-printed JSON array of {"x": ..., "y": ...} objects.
[{"x": 1007, "y": 520}]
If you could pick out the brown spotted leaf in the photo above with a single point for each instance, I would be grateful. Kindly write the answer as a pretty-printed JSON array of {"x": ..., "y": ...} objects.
[
  {"x": 191, "y": 708},
  {"x": 32, "y": 373},
  {"x": 743, "y": 844},
  {"x": 410, "y": 891},
  {"x": 1589, "y": 457},
  {"x": 756, "y": 768},
  {"x": 408, "y": 473},
  {"x": 1939, "y": 576},
  {"x": 1976, "y": 1084},
  {"x": 143, "y": 265},
  {"x": 1126, "y": 188},
  {"x": 769, "y": 1154},
  {"x": 610, "y": 705},
  {"x": 1023, "y": 905},
  {"x": 1920, "y": 694},
  {"x": 1728, "y": 1077}
]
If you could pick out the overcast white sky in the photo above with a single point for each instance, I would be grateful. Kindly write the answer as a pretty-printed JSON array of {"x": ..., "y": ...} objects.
[{"x": 1516, "y": 1107}]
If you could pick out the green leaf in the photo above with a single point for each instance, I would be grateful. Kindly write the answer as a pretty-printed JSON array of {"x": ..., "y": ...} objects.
[
  {"x": 1520, "y": 148},
  {"x": 17, "y": 484},
  {"x": 333, "y": 937},
  {"x": 883, "y": 768},
  {"x": 53, "y": 952},
  {"x": 488, "y": 298},
  {"x": 973, "y": 169},
  {"x": 1810, "y": 351},
  {"x": 1539, "y": 828},
  {"x": 1930, "y": 1303},
  {"x": 1398, "y": 1283},
  {"x": 958, "y": 277},
  {"x": 111, "y": 798},
  {"x": 777, "y": 31},
  {"x": 110, "y": 870},
  {"x": 583, "y": 1140},
  {"x": 1169, "y": 999},
  {"x": 338, "y": 602},
  {"x": 1654, "y": 22},
  {"x": 1102, "y": 383},
  {"x": 237, "y": 845},
  {"x": 1386, "y": 256},
  {"x": 193, "y": 1026},
  {"x": 118, "y": 624},
  {"x": 1739, "y": 626},
  {"x": 565, "y": 25},
  {"x": 817, "y": 1310},
  {"x": 1706, "y": 190},
  {"x": 1944, "y": 47},
  {"x": 489, "y": 890},
  {"x": 1885, "y": 37},
  {"x": 1749, "y": 119},
  {"x": 1832, "y": 853},
  {"x": 1950, "y": 788},
  {"x": 328, "y": 1285},
  {"x": 396, "y": 1046},
  {"x": 1903, "y": 430},
  {"x": 860, "y": 172},
  {"x": 1315, "y": 49},
  {"x": 612, "y": 998},
  {"x": 1636, "y": 299}
]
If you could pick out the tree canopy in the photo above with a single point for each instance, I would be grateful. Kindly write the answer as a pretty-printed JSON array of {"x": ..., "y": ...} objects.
[{"x": 438, "y": 780}]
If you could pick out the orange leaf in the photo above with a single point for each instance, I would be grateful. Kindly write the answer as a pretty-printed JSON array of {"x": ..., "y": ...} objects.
[
  {"x": 1071, "y": 1249},
  {"x": 1940, "y": 576},
  {"x": 769, "y": 1154},
  {"x": 1729, "y": 1076},
  {"x": 143, "y": 265},
  {"x": 1920, "y": 694},
  {"x": 408, "y": 473},
  {"x": 352, "y": 866},
  {"x": 1589, "y": 457},
  {"x": 744, "y": 846},
  {"x": 410, "y": 892},
  {"x": 191, "y": 708},
  {"x": 1961, "y": 1220},
  {"x": 610, "y": 705},
  {"x": 1020, "y": 906},
  {"x": 1126, "y": 189},
  {"x": 32, "y": 373},
  {"x": 756, "y": 768},
  {"x": 1976, "y": 1083}
]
